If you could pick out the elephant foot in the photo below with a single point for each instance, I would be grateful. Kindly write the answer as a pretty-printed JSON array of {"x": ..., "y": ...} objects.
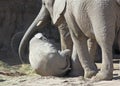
[
  {"x": 102, "y": 76},
  {"x": 90, "y": 73}
]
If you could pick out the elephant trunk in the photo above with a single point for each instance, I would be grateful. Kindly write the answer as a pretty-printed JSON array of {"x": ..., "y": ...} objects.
[
  {"x": 66, "y": 69},
  {"x": 26, "y": 38},
  {"x": 64, "y": 60},
  {"x": 29, "y": 33},
  {"x": 41, "y": 20}
]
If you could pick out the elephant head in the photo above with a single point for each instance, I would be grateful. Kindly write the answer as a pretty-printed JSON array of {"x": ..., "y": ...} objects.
[
  {"x": 45, "y": 15},
  {"x": 45, "y": 59}
]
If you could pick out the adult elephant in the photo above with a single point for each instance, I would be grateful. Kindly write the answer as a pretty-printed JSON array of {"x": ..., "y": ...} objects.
[
  {"x": 95, "y": 19},
  {"x": 44, "y": 17}
]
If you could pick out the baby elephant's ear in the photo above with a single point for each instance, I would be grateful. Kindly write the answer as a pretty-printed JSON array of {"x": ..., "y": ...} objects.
[{"x": 58, "y": 8}]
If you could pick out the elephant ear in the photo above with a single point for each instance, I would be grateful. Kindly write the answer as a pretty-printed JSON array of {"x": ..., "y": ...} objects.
[{"x": 58, "y": 8}]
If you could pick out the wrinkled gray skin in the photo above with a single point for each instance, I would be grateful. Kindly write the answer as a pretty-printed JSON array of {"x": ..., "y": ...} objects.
[
  {"x": 116, "y": 48},
  {"x": 95, "y": 19},
  {"x": 45, "y": 59},
  {"x": 44, "y": 17}
]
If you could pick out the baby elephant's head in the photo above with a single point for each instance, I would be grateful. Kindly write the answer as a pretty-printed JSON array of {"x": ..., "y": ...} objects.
[
  {"x": 46, "y": 59},
  {"x": 40, "y": 36}
]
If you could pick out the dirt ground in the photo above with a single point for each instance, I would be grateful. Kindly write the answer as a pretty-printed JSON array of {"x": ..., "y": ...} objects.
[{"x": 23, "y": 75}]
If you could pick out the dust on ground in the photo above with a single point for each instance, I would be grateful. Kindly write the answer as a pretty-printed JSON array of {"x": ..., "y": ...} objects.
[{"x": 23, "y": 75}]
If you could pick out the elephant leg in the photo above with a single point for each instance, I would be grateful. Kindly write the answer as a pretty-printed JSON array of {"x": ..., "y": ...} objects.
[
  {"x": 80, "y": 43},
  {"x": 76, "y": 68},
  {"x": 87, "y": 63},
  {"x": 66, "y": 41},
  {"x": 105, "y": 42},
  {"x": 106, "y": 72},
  {"x": 104, "y": 33}
]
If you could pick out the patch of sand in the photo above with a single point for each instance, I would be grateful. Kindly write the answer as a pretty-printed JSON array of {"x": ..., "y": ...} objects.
[{"x": 32, "y": 79}]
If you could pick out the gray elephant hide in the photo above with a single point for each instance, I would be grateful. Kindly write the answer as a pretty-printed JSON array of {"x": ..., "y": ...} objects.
[{"x": 45, "y": 59}]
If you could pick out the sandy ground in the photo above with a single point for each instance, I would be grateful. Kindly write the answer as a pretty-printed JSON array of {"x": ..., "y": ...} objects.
[{"x": 15, "y": 77}]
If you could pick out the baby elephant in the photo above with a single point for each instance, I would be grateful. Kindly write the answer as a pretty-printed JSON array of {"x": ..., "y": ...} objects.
[{"x": 45, "y": 59}]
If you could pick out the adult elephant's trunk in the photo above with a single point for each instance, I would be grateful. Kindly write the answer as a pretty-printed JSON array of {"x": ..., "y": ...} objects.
[{"x": 41, "y": 21}]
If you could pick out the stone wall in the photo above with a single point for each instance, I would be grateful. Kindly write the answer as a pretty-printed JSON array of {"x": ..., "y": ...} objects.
[{"x": 15, "y": 18}]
